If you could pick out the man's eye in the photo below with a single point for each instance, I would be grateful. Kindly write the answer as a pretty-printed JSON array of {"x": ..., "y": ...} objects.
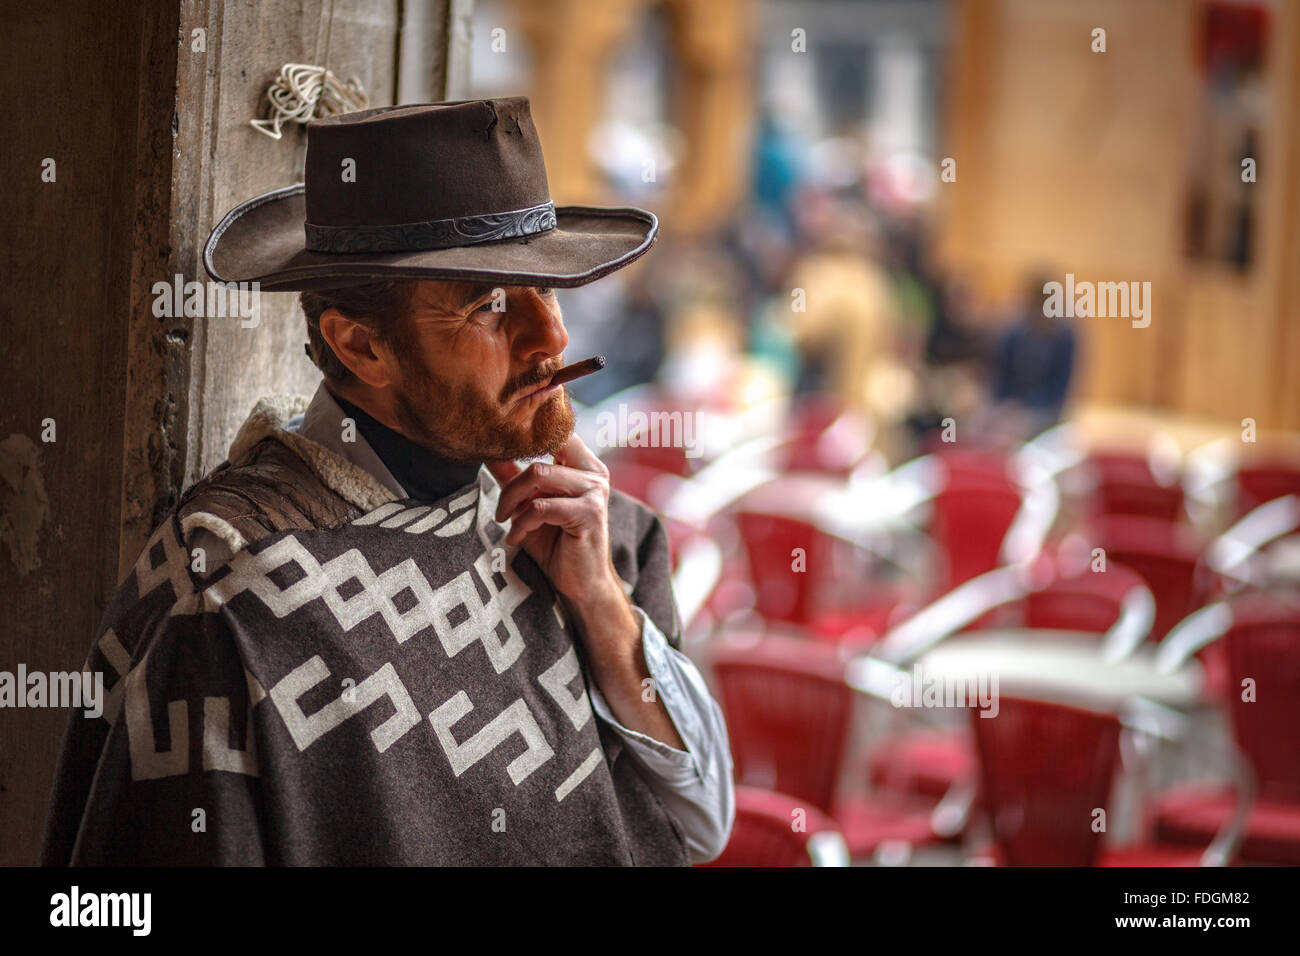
[
  {"x": 541, "y": 291},
  {"x": 485, "y": 307}
]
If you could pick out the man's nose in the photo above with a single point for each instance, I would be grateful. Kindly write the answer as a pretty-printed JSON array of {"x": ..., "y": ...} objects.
[{"x": 541, "y": 333}]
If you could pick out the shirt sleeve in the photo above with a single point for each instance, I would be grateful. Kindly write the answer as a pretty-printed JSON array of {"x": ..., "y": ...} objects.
[{"x": 695, "y": 785}]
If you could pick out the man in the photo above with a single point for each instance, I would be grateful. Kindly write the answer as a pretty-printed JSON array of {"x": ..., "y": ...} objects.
[
  {"x": 370, "y": 637},
  {"x": 1033, "y": 363}
]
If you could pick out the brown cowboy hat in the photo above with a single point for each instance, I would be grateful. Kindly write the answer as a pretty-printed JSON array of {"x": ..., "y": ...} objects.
[{"x": 433, "y": 191}]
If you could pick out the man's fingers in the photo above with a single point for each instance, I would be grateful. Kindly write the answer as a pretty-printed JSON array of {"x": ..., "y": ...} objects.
[
  {"x": 563, "y": 512},
  {"x": 542, "y": 478}
]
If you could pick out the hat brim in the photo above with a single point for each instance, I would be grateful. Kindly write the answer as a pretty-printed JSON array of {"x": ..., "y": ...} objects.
[{"x": 262, "y": 241}]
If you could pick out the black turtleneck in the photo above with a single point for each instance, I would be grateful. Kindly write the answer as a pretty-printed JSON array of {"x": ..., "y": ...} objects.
[{"x": 425, "y": 475}]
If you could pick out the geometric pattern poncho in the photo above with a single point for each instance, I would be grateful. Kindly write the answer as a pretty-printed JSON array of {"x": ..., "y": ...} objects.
[{"x": 399, "y": 690}]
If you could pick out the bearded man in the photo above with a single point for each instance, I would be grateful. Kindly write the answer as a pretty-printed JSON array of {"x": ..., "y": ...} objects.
[{"x": 370, "y": 637}]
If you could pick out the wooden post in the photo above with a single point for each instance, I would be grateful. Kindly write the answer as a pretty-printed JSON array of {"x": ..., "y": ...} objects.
[{"x": 146, "y": 117}]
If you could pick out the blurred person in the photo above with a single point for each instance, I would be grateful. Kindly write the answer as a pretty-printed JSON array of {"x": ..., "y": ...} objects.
[
  {"x": 771, "y": 340},
  {"x": 709, "y": 365},
  {"x": 953, "y": 372},
  {"x": 952, "y": 336},
  {"x": 777, "y": 171},
  {"x": 761, "y": 248},
  {"x": 706, "y": 348},
  {"x": 1033, "y": 364},
  {"x": 913, "y": 301},
  {"x": 846, "y": 331}
]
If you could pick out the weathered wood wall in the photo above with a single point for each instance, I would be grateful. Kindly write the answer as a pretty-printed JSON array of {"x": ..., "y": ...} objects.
[
  {"x": 152, "y": 145},
  {"x": 225, "y": 161},
  {"x": 91, "y": 86},
  {"x": 1079, "y": 161}
]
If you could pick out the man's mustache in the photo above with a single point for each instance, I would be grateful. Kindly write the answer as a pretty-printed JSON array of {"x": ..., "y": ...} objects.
[{"x": 532, "y": 379}]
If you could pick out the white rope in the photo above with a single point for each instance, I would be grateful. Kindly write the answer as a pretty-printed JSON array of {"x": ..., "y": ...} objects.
[{"x": 303, "y": 92}]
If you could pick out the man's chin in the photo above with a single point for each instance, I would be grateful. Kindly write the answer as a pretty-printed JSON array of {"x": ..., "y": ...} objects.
[{"x": 552, "y": 425}]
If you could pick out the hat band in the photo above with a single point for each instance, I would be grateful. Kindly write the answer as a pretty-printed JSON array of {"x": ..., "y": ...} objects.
[{"x": 433, "y": 233}]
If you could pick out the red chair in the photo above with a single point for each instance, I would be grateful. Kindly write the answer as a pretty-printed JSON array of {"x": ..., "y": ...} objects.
[
  {"x": 1263, "y": 644},
  {"x": 1083, "y": 601},
  {"x": 771, "y": 544},
  {"x": 978, "y": 465},
  {"x": 825, "y": 436},
  {"x": 1045, "y": 770},
  {"x": 1165, "y": 554},
  {"x": 789, "y": 713},
  {"x": 927, "y": 763},
  {"x": 773, "y": 829},
  {"x": 930, "y": 763},
  {"x": 1265, "y": 479},
  {"x": 806, "y": 598},
  {"x": 1125, "y": 485},
  {"x": 1168, "y": 557},
  {"x": 971, "y": 517},
  {"x": 652, "y": 488}
]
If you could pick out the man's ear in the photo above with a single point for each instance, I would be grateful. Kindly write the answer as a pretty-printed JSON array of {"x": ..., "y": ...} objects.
[{"x": 357, "y": 348}]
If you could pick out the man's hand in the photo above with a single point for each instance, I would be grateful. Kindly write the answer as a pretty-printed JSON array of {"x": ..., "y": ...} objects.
[{"x": 560, "y": 514}]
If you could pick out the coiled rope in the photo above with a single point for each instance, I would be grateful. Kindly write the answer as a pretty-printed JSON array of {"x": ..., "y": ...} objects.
[{"x": 303, "y": 92}]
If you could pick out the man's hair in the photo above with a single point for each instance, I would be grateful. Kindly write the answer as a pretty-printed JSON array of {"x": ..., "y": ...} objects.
[{"x": 380, "y": 306}]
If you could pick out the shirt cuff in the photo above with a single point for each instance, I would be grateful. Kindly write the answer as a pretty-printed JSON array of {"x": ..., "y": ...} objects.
[{"x": 664, "y": 760}]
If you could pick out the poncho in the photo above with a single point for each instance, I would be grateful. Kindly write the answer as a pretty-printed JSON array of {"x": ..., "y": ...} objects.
[{"x": 402, "y": 688}]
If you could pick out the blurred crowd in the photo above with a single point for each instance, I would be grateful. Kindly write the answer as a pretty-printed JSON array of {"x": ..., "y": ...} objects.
[{"x": 829, "y": 290}]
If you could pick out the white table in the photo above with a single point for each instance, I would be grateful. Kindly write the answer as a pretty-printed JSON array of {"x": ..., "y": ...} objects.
[
  {"x": 1282, "y": 561},
  {"x": 1064, "y": 666}
]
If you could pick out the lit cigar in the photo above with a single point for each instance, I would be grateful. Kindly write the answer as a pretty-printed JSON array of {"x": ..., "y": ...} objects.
[{"x": 578, "y": 369}]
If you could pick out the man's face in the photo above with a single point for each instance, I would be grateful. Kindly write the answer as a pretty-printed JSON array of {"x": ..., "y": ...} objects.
[{"x": 467, "y": 370}]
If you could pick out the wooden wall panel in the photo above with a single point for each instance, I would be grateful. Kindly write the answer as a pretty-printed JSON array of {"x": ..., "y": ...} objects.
[
  {"x": 83, "y": 83},
  {"x": 1286, "y": 295},
  {"x": 152, "y": 144},
  {"x": 1077, "y": 161},
  {"x": 235, "y": 366}
]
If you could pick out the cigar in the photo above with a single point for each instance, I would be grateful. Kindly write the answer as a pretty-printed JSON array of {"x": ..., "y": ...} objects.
[{"x": 578, "y": 369}]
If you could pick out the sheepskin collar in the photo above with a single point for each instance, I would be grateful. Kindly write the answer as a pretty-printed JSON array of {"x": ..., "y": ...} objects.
[{"x": 269, "y": 419}]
